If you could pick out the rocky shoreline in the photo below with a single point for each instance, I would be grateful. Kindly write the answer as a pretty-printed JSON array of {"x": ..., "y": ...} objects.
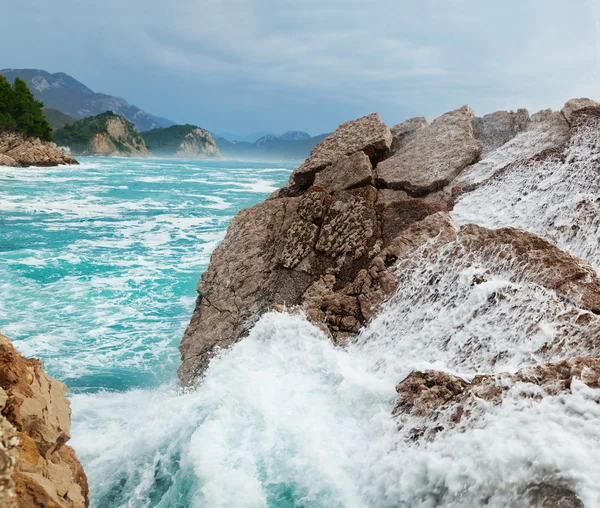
[
  {"x": 373, "y": 210},
  {"x": 18, "y": 150},
  {"x": 328, "y": 242}
]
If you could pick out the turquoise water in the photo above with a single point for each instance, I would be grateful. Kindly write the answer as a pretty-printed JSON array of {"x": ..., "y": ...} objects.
[{"x": 99, "y": 263}]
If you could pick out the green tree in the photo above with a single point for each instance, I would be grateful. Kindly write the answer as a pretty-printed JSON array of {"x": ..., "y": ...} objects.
[
  {"x": 7, "y": 121},
  {"x": 21, "y": 112}
]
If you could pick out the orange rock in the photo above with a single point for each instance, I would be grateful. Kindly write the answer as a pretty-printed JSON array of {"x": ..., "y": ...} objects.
[{"x": 44, "y": 471}]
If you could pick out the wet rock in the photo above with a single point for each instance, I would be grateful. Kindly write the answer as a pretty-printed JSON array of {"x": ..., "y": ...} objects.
[
  {"x": 45, "y": 470},
  {"x": 551, "y": 193},
  {"x": 433, "y": 401},
  {"x": 335, "y": 250},
  {"x": 497, "y": 129},
  {"x": 18, "y": 150},
  {"x": 367, "y": 134},
  {"x": 405, "y": 132},
  {"x": 316, "y": 252},
  {"x": 346, "y": 172},
  {"x": 551, "y": 495},
  {"x": 533, "y": 258},
  {"x": 397, "y": 216},
  {"x": 547, "y": 130},
  {"x": 574, "y": 105},
  {"x": 435, "y": 157}
]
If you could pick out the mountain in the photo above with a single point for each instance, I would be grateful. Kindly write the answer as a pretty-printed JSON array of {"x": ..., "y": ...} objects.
[
  {"x": 266, "y": 140},
  {"x": 269, "y": 148},
  {"x": 106, "y": 134},
  {"x": 294, "y": 135},
  {"x": 57, "y": 119},
  {"x": 187, "y": 141},
  {"x": 236, "y": 138},
  {"x": 61, "y": 91}
]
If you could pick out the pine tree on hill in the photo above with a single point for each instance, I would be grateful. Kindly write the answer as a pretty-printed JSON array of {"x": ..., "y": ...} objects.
[{"x": 19, "y": 111}]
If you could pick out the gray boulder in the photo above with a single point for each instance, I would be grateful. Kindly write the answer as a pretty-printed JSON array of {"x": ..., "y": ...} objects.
[
  {"x": 367, "y": 134},
  {"x": 406, "y": 131},
  {"x": 496, "y": 129},
  {"x": 435, "y": 157},
  {"x": 347, "y": 172}
]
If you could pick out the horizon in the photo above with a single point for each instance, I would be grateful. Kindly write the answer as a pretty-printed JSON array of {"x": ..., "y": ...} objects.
[{"x": 288, "y": 67}]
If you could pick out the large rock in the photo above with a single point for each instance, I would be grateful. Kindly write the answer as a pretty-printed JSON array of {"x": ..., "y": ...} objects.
[
  {"x": 405, "y": 132},
  {"x": 367, "y": 134},
  {"x": 496, "y": 129},
  {"x": 435, "y": 157},
  {"x": 315, "y": 252},
  {"x": 346, "y": 172},
  {"x": 575, "y": 105},
  {"x": 5, "y": 160},
  {"x": 547, "y": 130},
  {"x": 552, "y": 193},
  {"x": 44, "y": 470},
  {"x": 18, "y": 150},
  {"x": 332, "y": 250}
]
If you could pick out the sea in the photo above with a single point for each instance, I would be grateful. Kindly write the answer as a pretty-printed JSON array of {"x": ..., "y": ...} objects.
[{"x": 98, "y": 269}]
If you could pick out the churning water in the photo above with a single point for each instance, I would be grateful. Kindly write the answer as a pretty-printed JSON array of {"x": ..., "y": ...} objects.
[{"x": 98, "y": 266}]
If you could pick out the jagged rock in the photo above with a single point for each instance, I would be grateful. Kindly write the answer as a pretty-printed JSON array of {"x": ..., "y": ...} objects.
[
  {"x": 516, "y": 195},
  {"x": 398, "y": 215},
  {"x": 332, "y": 250},
  {"x": 346, "y": 172},
  {"x": 311, "y": 251},
  {"x": 406, "y": 131},
  {"x": 497, "y": 129},
  {"x": 46, "y": 472},
  {"x": 18, "y": 150},
  {"x": 547, "y": 130},
  {"x": 435, "y": 157},
  {"x": 537, "y": 260},
  {"x": 367, "y": 134},
  {"x": 574, "y": 105},
  {"x": 334, "y": 256},
  {"x": 433, "y": 401}
]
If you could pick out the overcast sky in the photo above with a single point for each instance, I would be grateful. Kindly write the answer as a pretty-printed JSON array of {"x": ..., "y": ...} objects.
[{"x": 243, "y": 65}]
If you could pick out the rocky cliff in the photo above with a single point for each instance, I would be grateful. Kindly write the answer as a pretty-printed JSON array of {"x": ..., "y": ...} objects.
[
  {"x": 462, "y": 213},
  {"x": 106, "y": 135},
  {"x": 18, "y": 150},
  {"x": 37, "y": 468},
  {"x": 187, "y": 141}
]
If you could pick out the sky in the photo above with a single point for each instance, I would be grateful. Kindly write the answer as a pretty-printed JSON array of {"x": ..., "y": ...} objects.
[{"x": 244, "y": 66}]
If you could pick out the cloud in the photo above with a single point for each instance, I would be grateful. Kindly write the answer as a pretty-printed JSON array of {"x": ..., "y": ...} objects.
[{"x": 342, "y": 58}]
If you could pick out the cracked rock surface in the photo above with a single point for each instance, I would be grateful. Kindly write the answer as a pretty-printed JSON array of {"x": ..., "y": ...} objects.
[{"x": 37, "y": 468}]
